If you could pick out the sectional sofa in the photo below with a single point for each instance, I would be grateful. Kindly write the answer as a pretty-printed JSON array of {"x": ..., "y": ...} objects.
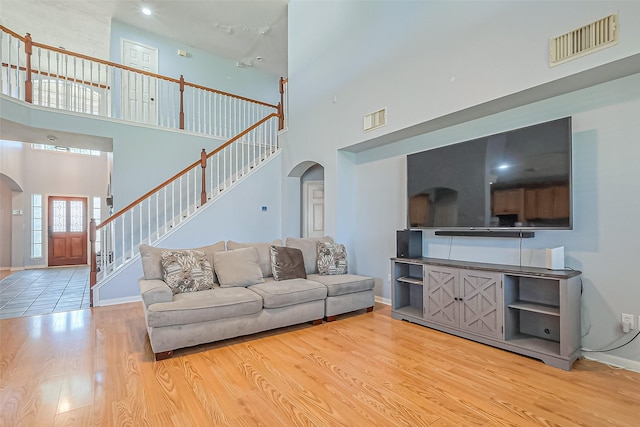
[{"x": 256, "y": 287}]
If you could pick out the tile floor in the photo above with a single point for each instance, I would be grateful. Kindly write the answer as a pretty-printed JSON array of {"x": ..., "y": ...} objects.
[{"x": 42, "y": 291}]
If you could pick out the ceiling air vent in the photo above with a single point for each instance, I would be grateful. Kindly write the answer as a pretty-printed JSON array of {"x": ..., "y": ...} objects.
[
  {"x": 585, "y": 40},
  {"x": 375, "y": 120}
]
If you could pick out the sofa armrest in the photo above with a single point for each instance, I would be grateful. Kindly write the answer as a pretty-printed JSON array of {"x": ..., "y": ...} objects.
[{"x": 154, "y": 291}]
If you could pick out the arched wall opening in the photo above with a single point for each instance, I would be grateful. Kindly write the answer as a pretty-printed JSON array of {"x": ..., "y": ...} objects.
[
  {"x": 8, "y": 188},
  {"x": 305, "y": 192}
]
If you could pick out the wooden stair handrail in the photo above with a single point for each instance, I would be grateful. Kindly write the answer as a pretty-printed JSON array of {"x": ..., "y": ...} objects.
[
  {"x": 124, "y": 67},
  {"x": 241, "y": 134},
  {"x": 12, "y": 33},
  {"x": 184, "y": 171}
]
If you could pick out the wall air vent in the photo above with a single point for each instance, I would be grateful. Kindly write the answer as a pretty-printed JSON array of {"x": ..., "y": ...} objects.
[
  {"x": 598, "y": 35},
  {"x": 375, "y": 120}
]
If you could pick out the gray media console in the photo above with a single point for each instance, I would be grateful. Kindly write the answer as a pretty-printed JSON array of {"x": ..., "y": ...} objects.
[{"x": 526, "y": 310}]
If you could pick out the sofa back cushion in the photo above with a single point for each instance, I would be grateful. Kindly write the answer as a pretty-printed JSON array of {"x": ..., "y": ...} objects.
[
  {"x": 238, "y": 267},
  {"x": 151, "y": 257},
  {"x": 309, "y": 250},
  {"x": 264, "y": 253}
]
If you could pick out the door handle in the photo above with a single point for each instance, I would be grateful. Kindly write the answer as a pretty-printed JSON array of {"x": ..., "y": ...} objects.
[{"x": 50, "y": 231}]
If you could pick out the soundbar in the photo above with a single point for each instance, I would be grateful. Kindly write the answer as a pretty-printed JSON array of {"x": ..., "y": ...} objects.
[{"x": 518, "y": 234}]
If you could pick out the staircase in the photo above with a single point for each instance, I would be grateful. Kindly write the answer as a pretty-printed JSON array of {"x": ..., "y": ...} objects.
[{"x": 162, "y": 211}]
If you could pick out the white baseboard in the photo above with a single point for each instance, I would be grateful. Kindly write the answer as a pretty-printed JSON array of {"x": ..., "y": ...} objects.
[
  {"x": 618, "y": 362},
  {"x": 114, "y": 301},
  {"x": 385, "y": 301}
]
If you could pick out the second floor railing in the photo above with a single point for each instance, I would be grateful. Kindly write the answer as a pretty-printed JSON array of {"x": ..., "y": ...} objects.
[{"x": 53, "y": 77}]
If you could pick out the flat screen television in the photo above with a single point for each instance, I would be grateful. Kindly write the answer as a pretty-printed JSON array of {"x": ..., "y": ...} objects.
[{"x": 518, "y": 179}]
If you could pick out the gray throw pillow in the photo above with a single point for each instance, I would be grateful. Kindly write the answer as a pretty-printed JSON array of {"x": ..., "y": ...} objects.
[
  {"x": 332, "y": 258},
  {"x": 264, "y": 256},
  {"x": 186, "y": 271},
  {"x": 239, "y": 267},
  {"x": 287, "y": 263}
]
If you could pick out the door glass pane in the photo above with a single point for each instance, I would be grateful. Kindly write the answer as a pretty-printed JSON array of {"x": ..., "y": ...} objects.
[
  {"x": 77, "y": 216},
  {"x": 59, "y": 216}
]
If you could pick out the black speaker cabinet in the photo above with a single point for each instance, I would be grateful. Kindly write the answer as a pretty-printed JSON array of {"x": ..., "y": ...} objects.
[{"x": 409, "y": 243}]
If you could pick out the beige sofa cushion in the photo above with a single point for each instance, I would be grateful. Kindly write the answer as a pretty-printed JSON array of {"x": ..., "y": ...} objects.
[
  {"x": 309, "y": 250},
  {"x": 264, "y": 253},
  {"x": 204, "y": 306},
  {"x": 151, "y": 258},
  {"x": 238, "y": 267},
  {"x": 289, "y": 292},
  {"x": 343, "y": 284}
]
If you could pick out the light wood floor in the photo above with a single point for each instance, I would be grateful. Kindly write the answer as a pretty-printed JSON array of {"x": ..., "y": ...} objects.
[{"x": 95, "y": 367}]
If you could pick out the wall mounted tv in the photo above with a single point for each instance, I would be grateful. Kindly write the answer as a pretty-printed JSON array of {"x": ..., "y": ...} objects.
[{"x": 515, "y": 179}]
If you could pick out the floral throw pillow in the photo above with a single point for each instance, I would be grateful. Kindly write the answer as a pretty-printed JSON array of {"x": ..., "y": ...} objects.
[
  {"x": 186, "y": 270},
  {"x": 332, "y": 258}
]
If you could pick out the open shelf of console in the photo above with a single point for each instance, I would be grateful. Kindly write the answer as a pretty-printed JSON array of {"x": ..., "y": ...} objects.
[
  {"x": 408, "y": 289},
  {"x": 527, "y": 310}
]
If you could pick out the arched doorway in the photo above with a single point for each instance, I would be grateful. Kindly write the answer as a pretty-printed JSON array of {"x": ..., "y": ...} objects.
[
  {"x": 8, "y": 187},
  {"x": 312, "y": 198}
]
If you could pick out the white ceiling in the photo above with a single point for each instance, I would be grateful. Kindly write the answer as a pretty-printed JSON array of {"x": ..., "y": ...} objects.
[
  {"x": 249, "y": 32},
  {"x": 241, "y": 30}
]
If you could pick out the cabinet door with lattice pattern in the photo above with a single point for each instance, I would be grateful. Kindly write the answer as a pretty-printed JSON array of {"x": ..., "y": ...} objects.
[
  {"x": 440, "y": 301},
  {"x": 481, "y": 305}
]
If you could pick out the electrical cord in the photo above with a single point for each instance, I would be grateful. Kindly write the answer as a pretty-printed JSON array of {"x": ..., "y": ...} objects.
[
  {"x": 450, "y": 244},
  {"x": 520, "y": 249},
  {"x": 614, "y": 348}
]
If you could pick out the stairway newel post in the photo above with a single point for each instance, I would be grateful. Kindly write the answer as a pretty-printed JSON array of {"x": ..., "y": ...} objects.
[
  {"x": 203, "y": 164},
  {"x": 280, "y": 106},
  {"x": 28, "y": 85},
  {"x": 181, "y": 102},
  {"x": 93, "y": 276}
]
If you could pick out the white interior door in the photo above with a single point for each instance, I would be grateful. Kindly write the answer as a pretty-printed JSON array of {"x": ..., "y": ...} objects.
[
  {"x": 139, "y": 92},
  {"x": 313, "y": 208}
]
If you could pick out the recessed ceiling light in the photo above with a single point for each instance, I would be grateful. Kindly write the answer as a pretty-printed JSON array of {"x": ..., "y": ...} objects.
[{"x": 146, "y": 11}]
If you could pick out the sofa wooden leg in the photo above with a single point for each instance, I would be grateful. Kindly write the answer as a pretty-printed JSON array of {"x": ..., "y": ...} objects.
[
  {"x": 164, "y": 355},
  {"x": 369, "y": 309},
  {"x": 316, "y": 322},
  {"x": 331, "y": 318}
]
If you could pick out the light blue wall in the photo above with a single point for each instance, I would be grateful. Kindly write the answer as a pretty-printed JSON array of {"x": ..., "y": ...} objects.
[
  {"x": 425, "y": 60},
  {"x": 199, "y": 67}
]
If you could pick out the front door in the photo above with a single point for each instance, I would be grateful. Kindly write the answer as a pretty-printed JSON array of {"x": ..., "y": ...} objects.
[{"x": 67, "y": 230}]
